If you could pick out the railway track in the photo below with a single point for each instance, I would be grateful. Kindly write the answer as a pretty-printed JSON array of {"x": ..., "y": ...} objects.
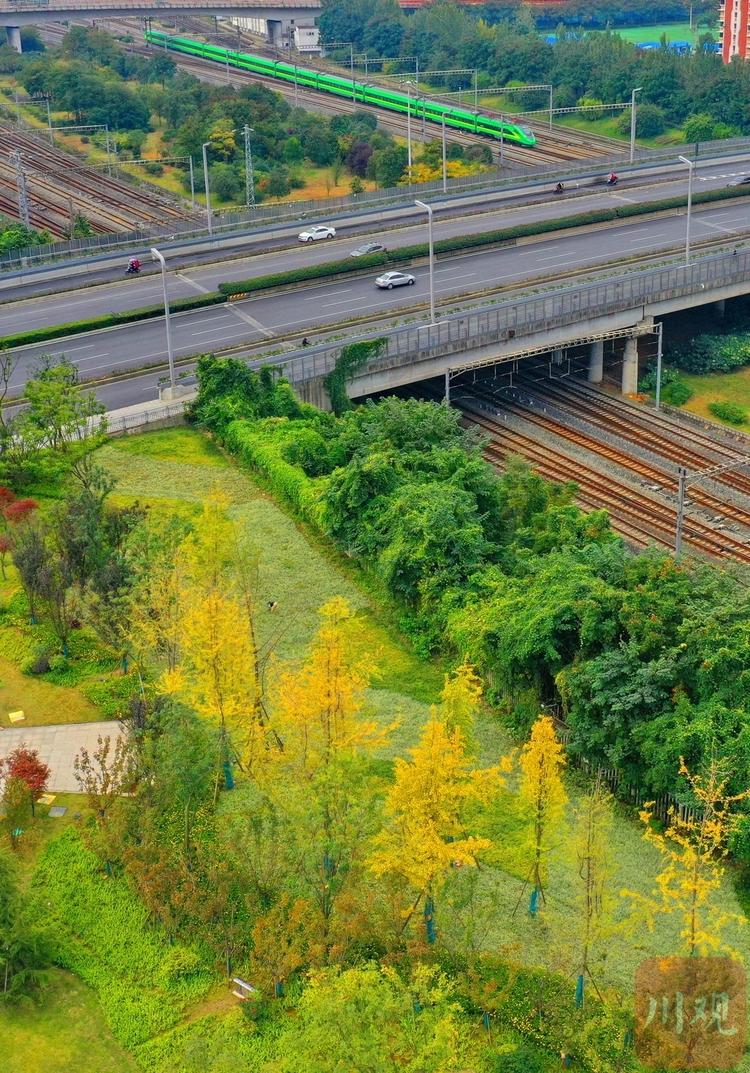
[
  {"x": 59, "y": 186},
  {"x": 662, "y": 435},
  {"x": 638, "y": 517},
  {"x": 654, "y": 475}
]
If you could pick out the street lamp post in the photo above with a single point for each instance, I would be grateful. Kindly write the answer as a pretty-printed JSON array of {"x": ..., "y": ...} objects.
[
  {"x": 633, "y": 121},
  {"x": 206, "y": 187},
  {"x": 428, "y": 209},
  {"x": 690, "y": 166},
  {"x": 167, "y": 324}
]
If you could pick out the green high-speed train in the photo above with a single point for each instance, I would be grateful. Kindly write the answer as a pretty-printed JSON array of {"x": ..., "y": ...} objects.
[{"x": 393, "y": 101}]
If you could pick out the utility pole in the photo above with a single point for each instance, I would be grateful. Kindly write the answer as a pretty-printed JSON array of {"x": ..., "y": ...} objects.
[
  {"x": 249, "y": 178},
  {"x": 21, "y": 191},
  {"x": 681, "y": 490},
  {"x": 659, "y": 351},
  {"x": 684, "y": 478},
  {"x": 445, "y": 157},
  {"x": 192, "y": 182},
  {"x": 408, "y": 127}
]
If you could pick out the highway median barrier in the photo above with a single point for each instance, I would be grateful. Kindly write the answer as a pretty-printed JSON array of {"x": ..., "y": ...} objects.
[{"x": 237, "y": 289}]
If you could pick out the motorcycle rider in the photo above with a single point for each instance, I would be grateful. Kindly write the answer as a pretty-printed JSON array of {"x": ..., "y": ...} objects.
[
  {"x": 134, "y": 265},
  {"x": 612, "y": 180},
  {"x": 560, "y": 188}
]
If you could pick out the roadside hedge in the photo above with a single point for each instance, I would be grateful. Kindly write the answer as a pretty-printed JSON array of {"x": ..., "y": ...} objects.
[
  {"x": 250, "y": 441},
  {"x": 107, "y": 320},
  {"x": 505, "y": 236}
]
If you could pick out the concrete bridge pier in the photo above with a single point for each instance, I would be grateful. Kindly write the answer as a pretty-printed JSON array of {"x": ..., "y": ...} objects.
[
  {"x": 720, "y": 308},
  {"x": 14, "y": 37},
  {"x": 596, "y": 362},
  {"x": 630, "y": 366}
]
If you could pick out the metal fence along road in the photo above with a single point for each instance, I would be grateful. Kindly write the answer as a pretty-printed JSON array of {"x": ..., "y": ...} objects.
[
  {"x": 233, "y": 223},
  {"x": 520, "y": 317}
]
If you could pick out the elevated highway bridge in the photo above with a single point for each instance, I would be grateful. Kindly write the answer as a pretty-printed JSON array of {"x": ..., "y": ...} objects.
[
  {"x": 552, "y": 322},
  {"x": 278, "y": 15}
]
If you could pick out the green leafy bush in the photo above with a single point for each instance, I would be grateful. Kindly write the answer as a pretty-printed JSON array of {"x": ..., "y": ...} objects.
[
  {"x": 713, "y": 354},
  {"x": 103, "y": 934},
  {"x": 729, "y": 411},
  {"x": 674, "y": 389}
]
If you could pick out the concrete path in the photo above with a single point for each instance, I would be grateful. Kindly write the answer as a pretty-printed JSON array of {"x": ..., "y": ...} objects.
[{"x": 58, "y": 746}]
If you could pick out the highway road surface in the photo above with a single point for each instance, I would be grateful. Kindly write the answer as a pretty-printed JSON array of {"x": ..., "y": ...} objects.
[
  {"x": 283, "y": 313},
  {"x": 135, "y": 292},
  {"x": 526, "y": 201}
]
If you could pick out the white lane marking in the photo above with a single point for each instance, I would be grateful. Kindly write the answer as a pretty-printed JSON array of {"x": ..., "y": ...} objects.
[
  {"x": 717, "y": 227},
  {"x": 462, "y": 275},
  {"x": 327, "y": 294},
  {"x": 252, "y": 322},
  {"x": 70, "y": 305},
  {"x": 191, "y": 283},
  {"x": 341, "y": 302},
  {"x": 73, "y": 349},
  {"x": 209, "y": 331}
]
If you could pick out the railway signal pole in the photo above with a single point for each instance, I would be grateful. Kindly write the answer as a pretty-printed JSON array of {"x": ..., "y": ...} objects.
[
  {"x": 21, "y": 191},
  {"x": 249, "y": 181}
]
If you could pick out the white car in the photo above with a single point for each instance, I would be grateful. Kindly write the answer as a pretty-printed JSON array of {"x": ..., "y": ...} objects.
[
  {"x": 319, "y": 231},
  {"x": 389, "y": 280}
]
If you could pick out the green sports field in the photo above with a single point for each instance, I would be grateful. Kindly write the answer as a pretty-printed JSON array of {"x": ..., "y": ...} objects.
[{"x": 674, "y": 31}]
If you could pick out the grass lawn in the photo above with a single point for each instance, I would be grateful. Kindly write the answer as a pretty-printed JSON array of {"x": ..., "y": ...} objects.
[
  {"x": 719, "y": 387},
  {"x": 66, "y": 1033},
  {"x": 175, "y": 469},
  {"x": 43, "y": 703},
  {"x": 674, "y": 31}
]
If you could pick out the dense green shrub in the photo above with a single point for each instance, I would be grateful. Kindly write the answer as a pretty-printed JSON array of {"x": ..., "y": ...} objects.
[
  {"x": 648, "y": 658},
  {"x": 713, "y": 353},
  {"x": 103, "y": 934},
  {"x": 728, "y": 411},
  {"x": 674, "y": 389}
]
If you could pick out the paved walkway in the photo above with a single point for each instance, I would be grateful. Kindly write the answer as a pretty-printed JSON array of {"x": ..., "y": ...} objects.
[{"x": 58, "y": 746}]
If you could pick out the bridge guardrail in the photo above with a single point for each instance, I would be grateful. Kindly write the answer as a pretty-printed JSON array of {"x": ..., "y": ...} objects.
[
  {"x": 33, "y": 256},
  {"x": 519, "y": 317}
]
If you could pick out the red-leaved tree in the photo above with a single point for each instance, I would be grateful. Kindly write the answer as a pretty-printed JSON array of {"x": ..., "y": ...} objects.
[
  {"x": 24, "y": 763},
  {"x": 18, "y": 510}
]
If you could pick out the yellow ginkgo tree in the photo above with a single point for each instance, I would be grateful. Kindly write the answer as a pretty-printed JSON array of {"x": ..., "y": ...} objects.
[
  {"x": 542, "y": 800},
  {"x": 215, "y": 670},
  {"x": 319, "y": 778},
  {"x": 428, "y": 825},
  {"x": 692, "y": 847}
]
